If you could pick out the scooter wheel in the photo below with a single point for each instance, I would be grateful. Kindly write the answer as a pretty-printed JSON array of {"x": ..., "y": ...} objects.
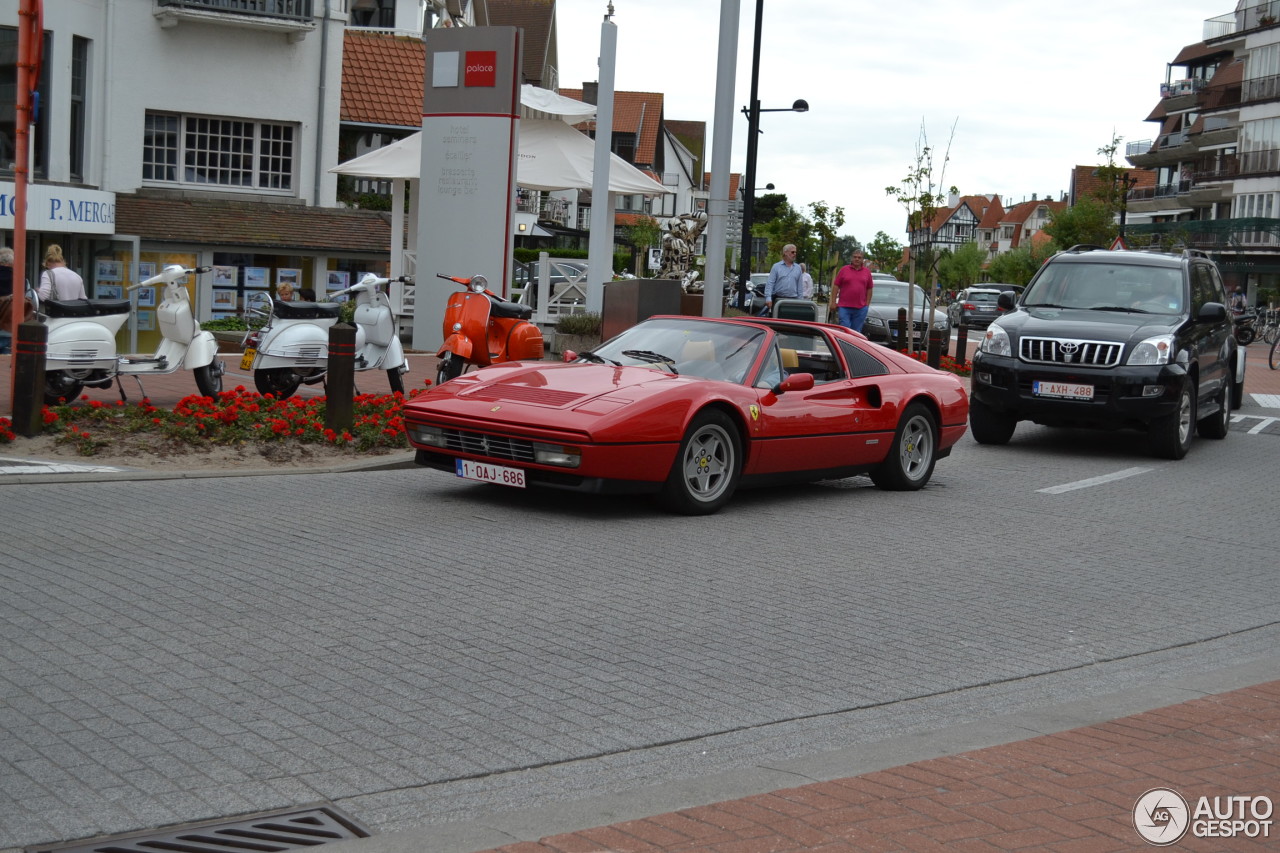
[
  {"x": 451, "y": 367},
  {"x": 209, "y": 379},
  {"x": 1245, "y": 336},
  {"x": 279, "y": 382},
  {"x": 396, "y": 381},
  {"x": 60, "y": 386}
]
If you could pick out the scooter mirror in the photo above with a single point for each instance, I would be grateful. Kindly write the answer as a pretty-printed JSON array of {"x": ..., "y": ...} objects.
[{"x": 479, "y": 283}]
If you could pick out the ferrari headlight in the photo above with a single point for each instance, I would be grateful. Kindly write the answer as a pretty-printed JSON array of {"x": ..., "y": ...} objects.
[
  {"x": 556, "y": 454},
  {"x": 1152, "y": 351},
  {"x": 422, "y": 434},
  {"x": 995, "y": 341}
]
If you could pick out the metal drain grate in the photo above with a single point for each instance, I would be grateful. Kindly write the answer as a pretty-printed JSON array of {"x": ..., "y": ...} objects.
[{"x": 264, "y": 833}]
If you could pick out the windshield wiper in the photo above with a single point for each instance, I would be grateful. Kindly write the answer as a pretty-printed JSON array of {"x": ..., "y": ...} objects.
[
  {"x": 652, "y": 357},
  {"x": 1042, "y": 305},
  {"x": 1125, "y": 308},
  {"x": 599, "y": 359}
]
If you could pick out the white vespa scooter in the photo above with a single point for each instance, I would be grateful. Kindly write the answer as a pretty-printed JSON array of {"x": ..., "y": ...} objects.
[
  {"x": 293, "y": 347},
  {"x": 82, "y": 341}
]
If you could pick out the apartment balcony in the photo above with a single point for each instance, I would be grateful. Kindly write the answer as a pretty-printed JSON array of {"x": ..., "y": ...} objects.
[
  {"x": 1168, "y": 150},
  {"x": 1261, "y": 89},
  {"x": 1157, "y": 198},
  {"x": 1257, "y": 163},
  {"x": 292, "y": 18},
  {"x": 1228, "y": 236}
]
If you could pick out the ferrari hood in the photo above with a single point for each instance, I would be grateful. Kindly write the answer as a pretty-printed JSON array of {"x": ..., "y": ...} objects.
[{"x": 559, "y": 386}]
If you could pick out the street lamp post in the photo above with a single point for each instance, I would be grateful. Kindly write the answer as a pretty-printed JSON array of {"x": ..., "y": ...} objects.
[{"x": 752, "y": 113}]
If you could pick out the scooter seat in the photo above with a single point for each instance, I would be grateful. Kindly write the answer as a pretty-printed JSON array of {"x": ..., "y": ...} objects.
[
  {"x": 503, "y": 308},
  {"x": 84, "y": 307},
  {"x": 307, "y": 310}
]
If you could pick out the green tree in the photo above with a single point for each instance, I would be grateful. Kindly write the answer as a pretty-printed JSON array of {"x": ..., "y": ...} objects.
[
  {"x": 1089, "y": 220},
  {"x": 885, "y": 252},
  {"x": 826, "y": 220},
  {"x": 643, "y": 234},
  {"x": 1019, "y": 265},
  {"x": 962, "y": 266}
]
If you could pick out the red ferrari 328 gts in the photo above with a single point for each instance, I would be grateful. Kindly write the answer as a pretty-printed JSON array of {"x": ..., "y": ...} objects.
[{"x": 691, "y": 408}]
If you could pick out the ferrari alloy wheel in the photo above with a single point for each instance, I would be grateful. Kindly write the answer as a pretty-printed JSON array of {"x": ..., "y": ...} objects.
[
  {"x": 913, "y": 453},
  {"x": 705, "y": 473}
]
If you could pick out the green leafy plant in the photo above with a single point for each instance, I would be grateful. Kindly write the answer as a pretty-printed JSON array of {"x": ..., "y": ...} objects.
[
  {"x": 226, "y": 324},
  {"x": 584, "y": 323}
]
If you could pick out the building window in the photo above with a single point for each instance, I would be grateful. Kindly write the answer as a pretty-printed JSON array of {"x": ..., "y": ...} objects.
[
  {"x": 79, "y": 86},
  {"x": 8, "y": 115},
  {"x": 223, "y": 152},
  {"x": 584, "y": 218}
]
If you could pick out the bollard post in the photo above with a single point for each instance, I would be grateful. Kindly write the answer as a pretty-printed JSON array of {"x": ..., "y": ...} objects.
[
  {"x": 962, "y": 344},
  {"x": 934, "y": 355},
  {"x": 28, "y": 380},
  {"x": 340, "y": 381},
  {"x": 904, "y": 331}
]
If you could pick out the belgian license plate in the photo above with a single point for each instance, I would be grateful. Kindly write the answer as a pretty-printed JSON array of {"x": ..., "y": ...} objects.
[
  {"x": 469, "y": 469},
  {"x": 1063, "y": 390},
  {"x": 246, "y": 360}
]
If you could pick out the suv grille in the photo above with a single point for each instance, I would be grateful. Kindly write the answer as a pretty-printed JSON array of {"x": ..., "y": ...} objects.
[
  {"x": 1068, "y": 351},
  {"x": 485, "y": 444}
]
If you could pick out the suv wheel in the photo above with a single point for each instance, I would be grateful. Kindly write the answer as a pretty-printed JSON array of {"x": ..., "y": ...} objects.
[
  {"x": 1171, "y": 434},
  {"x": 988, "y": 425},
  {"x": 1218, "y": 424}
]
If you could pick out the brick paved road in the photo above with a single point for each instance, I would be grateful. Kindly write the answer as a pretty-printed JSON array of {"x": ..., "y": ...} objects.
[{"x": 421, "y": 650}]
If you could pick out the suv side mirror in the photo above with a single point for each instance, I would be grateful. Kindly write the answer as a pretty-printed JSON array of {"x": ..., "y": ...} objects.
[
  {"x": 1007, "y": 300},
  {"x": 1212, "y": 312}
]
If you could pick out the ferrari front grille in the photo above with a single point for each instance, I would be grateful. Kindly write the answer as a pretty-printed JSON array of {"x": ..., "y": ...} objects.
[
  {"x": 488, "y": 444},
  {"x": 1066, "y": 351}
]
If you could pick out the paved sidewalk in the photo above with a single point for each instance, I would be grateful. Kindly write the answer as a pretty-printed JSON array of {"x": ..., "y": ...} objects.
[{"x": 1072, "y": 791}]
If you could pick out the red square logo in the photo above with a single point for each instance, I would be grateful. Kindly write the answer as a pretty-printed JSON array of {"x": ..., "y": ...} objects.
[{"x": 481, "y": 68}]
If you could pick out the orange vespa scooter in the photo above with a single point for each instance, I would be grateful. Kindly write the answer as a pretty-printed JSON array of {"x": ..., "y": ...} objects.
[{"x": 482, "y": 328}]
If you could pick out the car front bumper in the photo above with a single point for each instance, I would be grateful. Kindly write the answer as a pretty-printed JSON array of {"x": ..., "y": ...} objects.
[{"x": 1122, "y": 397}]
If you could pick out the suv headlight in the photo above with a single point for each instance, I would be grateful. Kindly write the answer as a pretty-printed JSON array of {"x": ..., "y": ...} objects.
[
  {"x": 1155, "y": 350},
  {"x": 995, "y": 341},
  {"x": 874, "y": 321},
  {"x": 941, "y": 322}
]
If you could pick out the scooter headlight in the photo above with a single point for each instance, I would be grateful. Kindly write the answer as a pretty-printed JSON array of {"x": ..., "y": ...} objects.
[{"x": 479, "y": 283}]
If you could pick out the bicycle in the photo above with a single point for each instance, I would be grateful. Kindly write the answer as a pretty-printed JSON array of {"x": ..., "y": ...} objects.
[
  {"x": 1269, "y": 330},
  {"x": 1273, "y": 357}
]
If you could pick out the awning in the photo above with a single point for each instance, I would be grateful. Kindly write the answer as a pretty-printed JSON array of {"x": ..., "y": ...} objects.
[{"x": 552, "y": 156}]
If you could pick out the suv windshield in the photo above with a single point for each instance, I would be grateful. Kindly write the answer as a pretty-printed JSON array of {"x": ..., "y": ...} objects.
[{"x": 1108, "y": 287}]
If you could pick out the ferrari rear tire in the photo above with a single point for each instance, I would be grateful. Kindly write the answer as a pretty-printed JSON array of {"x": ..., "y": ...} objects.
[
  {"x": 707, "y": 467},
  {"x": 913, "y": 453}
]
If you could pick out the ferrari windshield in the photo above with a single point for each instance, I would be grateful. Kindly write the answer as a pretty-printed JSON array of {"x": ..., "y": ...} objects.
[{"x": 685, "y": 347}]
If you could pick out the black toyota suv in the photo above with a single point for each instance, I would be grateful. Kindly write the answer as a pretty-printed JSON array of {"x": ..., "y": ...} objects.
[{"x": 1112, "y": 339}]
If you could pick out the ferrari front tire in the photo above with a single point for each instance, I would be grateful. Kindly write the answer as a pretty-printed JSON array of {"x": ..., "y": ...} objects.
[{"x": 707, "y": 467}]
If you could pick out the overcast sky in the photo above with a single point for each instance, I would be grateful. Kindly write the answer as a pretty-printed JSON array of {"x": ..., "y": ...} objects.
[{"x": 1032, "y": 88}]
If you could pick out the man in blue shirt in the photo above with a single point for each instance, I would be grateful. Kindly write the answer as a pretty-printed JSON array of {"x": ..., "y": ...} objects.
[{"x": 786, "y": 279}]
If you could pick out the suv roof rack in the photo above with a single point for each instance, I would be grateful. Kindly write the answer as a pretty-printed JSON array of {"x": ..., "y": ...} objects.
[
  {"x": 1194, "y": 253},
  {"x": 1086, "y": 247}
]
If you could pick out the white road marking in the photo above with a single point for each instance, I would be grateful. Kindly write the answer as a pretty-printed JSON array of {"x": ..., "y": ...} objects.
[
  {"x": 1267, "y": 401},
  {"x": 1094, "y": 481},
  {"x": 33, "y": 466},
  {"x": 1263, "y": 422}
]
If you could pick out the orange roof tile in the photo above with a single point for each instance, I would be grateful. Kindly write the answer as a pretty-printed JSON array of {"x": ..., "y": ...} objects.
[
  {"x": 538, "y": 20},
  {"x": 382, "y": 79},
  {"x": 638, "y": 113}
]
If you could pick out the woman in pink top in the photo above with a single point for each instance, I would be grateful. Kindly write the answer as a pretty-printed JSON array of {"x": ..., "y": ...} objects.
[{"x": 853, "y": 292}]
